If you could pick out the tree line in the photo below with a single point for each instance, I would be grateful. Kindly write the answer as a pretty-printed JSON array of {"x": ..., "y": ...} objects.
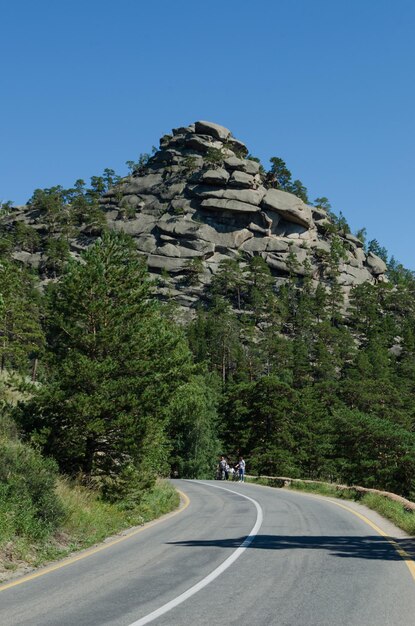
[{"x": 121, "y": 393}]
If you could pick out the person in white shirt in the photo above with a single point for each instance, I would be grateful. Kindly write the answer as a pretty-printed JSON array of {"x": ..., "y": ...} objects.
[{"x": 241, "y": 469}]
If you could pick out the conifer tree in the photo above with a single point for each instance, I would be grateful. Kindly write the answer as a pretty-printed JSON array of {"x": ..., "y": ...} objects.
[
  {"x": 21, "y": 335},
  {"x": 115, "y": 363}
]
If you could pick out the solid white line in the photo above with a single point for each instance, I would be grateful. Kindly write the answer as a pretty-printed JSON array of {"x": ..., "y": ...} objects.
[{"x": 216, "y": 572}]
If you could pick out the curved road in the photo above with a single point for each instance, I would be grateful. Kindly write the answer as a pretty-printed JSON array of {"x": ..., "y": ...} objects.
[{"x": 308, "y": 562}]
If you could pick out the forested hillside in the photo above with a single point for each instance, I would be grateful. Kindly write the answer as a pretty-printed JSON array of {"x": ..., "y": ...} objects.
[{"x": 114, "y": 389}]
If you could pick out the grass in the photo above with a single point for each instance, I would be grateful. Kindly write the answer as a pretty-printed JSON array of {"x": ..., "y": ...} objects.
[
  {"x": 87, "y": 520},
  {"x": 391, "y": 510}
]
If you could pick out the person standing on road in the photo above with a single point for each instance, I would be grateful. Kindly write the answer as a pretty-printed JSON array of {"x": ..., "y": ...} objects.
[
  {"x": 241, "y": 469},
  {"x": 222, "y": 469}
]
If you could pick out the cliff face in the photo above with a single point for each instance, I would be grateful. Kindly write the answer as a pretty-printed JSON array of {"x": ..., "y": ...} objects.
[{"x": 199, "y": 201}]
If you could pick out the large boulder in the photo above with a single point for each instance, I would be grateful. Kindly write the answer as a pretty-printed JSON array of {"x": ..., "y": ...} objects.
[
  {"x": 288, "y": 206},
  {"x": 376, "y": 264}
]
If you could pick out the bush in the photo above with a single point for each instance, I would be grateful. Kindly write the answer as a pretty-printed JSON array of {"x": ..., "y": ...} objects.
[{"x": 29, "y": 506}]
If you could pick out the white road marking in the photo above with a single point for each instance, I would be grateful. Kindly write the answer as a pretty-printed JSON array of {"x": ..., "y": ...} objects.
[{"x": 216, "y": 572}]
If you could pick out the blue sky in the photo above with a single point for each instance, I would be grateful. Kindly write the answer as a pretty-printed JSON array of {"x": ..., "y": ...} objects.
[{"x": 327, "y": 85}]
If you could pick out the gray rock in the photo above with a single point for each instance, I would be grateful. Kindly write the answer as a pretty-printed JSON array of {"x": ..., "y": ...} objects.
[
  {"x": 276, "y": 263},
  {"x": 209, "y": 128},
  {"x": 288, "y": 229},
  {"x": 237, "y": 146},
  {"x": 146, "y": 243},
  {"x": 142, "y": 224},
  {"x": 255, "y": 245},
  {"x": 262, "y": 244},
  {"x": 186, "y": 207},
  {"x": 216, "y": 177},
  {"x": 216, "y": 204},
  {"x": 243, "y": 165},
  {"x": 169, "y": 264},
  {"x": 202, "y": 145},
  {"x": 28, "y": 258},
  {"x": 318, "y": 214},
  {"x": 184, "y": 130},
  {"x": 178, "y": 226},
  {"x": 131, "y": 201},
  {"x": 299, "y": 253},
  {"x": 276, "y": 245},
  {"x": 353, "y": 239},
  {"x": 250, "y": 167},
  {"x": 289, "y": 206},
  {"x": 360, "y": 255},
  {"x": 320, "y": 245},
  {"x": 354, "y": 275},
  {"x": 76, "y": 246},
  {"x": 142, "y": 183},
  {"x": 181, "y": 205},
  {"x": 376, "y": 264},
  {"x": 217, "y": 258},
  {"x": 168, "y": 192},
  {"x": 251, "y": 196},
  {"x": 231, "y": 239},
  {"x": 241, "y": 179}
]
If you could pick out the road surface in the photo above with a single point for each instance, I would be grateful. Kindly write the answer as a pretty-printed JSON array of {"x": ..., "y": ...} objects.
[{"x": 241, "y": 554}]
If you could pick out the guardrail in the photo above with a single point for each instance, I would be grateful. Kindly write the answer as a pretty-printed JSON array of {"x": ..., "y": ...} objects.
[{"x": 286, "y": 482}]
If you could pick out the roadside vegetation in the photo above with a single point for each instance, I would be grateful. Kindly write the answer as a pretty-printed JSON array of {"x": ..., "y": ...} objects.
[
  {"x": 391, "y": 510},
  {"x": 45, "y": 517}
]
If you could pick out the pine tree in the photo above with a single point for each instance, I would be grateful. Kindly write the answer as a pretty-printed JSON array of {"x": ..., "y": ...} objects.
[
  {"x": 21, "y": 336},
  {"x": 193, "y": 428},
  {"x": 115, "y": 363}
]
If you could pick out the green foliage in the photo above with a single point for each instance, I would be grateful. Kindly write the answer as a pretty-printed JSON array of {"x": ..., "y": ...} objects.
[
  {"x": 193, "y": 429},
  {"x": 137, "y": 166},
  {"x": 361, "y": 234},
  {"x": 340, "y": 222},
  {"x": 399, "y": 275},
  {"x": 322, "y": 203},
  {"x": 86, "y": 520},
  {"x": 114, "y": 364},
  {"x": 21, "y": 336},
  {"x": 28, "y": 503},
  {"x": 305, "y": 387},
  {"x": 57, "y": 255},
  {"x": 280, "y": 177},
  {"x": 194, "y": 268},
  {"x": 26, "y": 237},
  {"x": 214, "y": 156},
  {"x": 375, "y": 247},
  {"x": 299, "y": 190},
  {"x": 374, "y": 452},
  {"x": 189, "y": 163}
]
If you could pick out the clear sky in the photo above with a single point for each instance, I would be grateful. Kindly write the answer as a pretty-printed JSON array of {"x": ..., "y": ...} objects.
[{"x": 328, "y": 85}]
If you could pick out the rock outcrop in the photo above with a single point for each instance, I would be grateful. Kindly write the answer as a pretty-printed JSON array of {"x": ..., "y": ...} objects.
[
  {"x": 201, "y": 197},
  {"x": 201, "y": 200}
]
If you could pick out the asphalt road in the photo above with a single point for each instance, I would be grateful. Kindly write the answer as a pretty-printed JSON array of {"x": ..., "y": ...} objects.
[{"x": 306, "y": 562}]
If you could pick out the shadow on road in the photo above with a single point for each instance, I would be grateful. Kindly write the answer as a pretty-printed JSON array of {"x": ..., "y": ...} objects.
[{"x": 369, "y": 547}]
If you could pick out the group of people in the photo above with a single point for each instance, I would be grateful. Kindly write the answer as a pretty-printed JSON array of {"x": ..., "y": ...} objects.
[{"x": 236, "y": 472}]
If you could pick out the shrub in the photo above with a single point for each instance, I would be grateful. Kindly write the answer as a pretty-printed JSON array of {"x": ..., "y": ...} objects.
[{"x": 28, "y": 504}]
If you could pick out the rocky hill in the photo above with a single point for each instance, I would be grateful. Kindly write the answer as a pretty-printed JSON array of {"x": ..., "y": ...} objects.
[{"x": 200, "y": 200}]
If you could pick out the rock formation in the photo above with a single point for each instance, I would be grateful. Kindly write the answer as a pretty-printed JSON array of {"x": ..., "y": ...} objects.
[
  {"x": 201, "y": 200},
  {"x": 201, "y": 197}
]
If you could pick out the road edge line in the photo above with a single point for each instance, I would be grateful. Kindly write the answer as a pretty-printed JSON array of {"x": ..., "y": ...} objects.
[
  {"x": 405, "y": 556},
  {"x": 185, "y": 501}
]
